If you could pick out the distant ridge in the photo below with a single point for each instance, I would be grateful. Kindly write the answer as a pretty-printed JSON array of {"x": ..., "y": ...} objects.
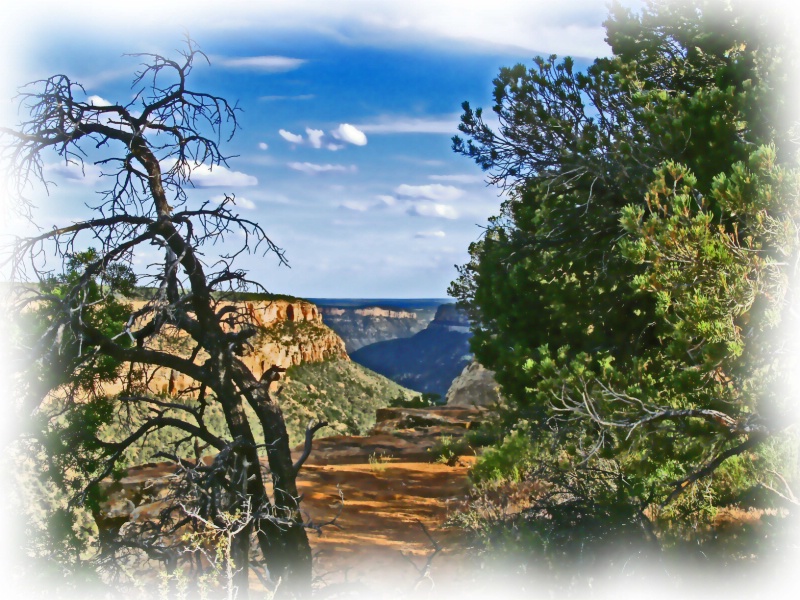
[{"x": 387, "y": 303}]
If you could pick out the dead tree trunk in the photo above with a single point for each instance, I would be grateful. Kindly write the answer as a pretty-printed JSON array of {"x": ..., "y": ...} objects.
[{"x": 88, "y": 335}]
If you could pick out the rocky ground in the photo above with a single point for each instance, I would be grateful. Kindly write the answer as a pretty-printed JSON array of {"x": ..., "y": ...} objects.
[
  {"x": 397, "y": 497},
  {"x": 389, "y": 534}
]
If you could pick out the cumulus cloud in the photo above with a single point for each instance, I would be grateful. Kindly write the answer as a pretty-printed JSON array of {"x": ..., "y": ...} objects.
[
  {"x": 263, "y": 146},
  {"x": 447, "y": 124},
  {"x": 432, "y": 209},
  {"x": 95, "y": 100},
  {"x": 387, "y": 200},
  {"x": 88, "y": 174},
  {"x": 204, "y": 176},
  {"x": 434, "y": 191},
  {"x": 430, "y": 234},
  {"x": 239, "y": 201},
  {"x": 245, "y": 203},
  {"x": 464, "y": 178},
  {"x": 357, "y": 205},
  {"x": 294, "y": 138},
  {"x": 313, "y": 168},
  {"x": 267, "y": 64},
  {"x": 381, "y": 202},
  {"x": 350, "y": 134},
  {"x": 315, "y": 137},
  {"x": 334, "y": 147}
]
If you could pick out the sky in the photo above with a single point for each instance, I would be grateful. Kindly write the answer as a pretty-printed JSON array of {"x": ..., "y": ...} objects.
[{"x": 347, "y": 113}]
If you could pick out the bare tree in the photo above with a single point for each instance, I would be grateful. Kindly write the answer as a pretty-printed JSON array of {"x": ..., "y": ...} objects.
[{"x": 150, "y": 148}]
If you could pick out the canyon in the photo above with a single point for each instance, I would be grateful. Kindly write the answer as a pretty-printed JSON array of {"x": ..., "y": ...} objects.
[
  {"x": 363, "y": 326},
  {"x": 428, "y": 361}
]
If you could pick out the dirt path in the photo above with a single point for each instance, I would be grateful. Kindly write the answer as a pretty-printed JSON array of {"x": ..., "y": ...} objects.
[
  {"x": 396, "y": 499},
  {"x": 380, "y": 530},
  {"x": 377, "y": 541}
]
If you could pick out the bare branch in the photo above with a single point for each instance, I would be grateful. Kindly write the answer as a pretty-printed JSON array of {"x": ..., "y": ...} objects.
[{"x": 310, "y": 431}]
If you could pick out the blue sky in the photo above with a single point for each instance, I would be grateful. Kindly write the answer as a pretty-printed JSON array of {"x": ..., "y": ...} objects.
[{"x": 347, "y": 113}]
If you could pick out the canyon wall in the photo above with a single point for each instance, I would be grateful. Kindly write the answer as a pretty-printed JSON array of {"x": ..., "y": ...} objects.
[
  {"x": 363, "y": 326},
  {"x": 475, "y": 386},
  {"x": 429, "y": 360},
  {"x": 289, "y": 333}
]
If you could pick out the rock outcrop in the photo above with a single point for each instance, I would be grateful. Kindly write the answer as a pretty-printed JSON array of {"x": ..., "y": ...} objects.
[
  {"x": 363, "y": 326},
  {"x": 475, "y": 386},
  {"x": 448, "y": 315},
  {"x": 289, "y": 333},
  {"x": 370, "y": 311}
]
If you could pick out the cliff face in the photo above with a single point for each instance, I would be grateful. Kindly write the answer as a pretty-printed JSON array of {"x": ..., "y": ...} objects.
[
  {"x": 447, "y": 315},
  {"x": 370, "y": 311},
  {"x": 290, "y": 333},
  {"x": 474, "y": 387},
  {"x": 429, "y": 360},
  {"x": 361, "y": 327}
]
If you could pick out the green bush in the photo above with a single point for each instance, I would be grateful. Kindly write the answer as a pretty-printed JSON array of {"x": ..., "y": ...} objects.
[
  {"x": 447, "y": 449},
  {"x": 508, "y": 461},
  {"x": 420, "y": 401}
]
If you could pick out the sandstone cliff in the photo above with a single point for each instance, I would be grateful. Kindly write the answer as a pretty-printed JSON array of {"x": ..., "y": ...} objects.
[
  {"x": 289, "y": 333},
  {"x": 370, "y": 311},
  {"x": 474, "y": 387},
  {"x": 363, "y": 326}
]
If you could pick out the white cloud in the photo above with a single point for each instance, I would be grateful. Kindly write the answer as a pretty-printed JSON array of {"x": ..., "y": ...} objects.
[
  {"x": 357, "y": 205},
  {"x": 239, "y": 201},
  {"x": 88, "y": 174},
  {"x": 387, "y": 200},
  {"x": 268, "y": 64},
  {"x": 334, "y": 147},
  {"x": 447, "y": 124},
  {"x": 263, "y": 146},
  {"x": 95, "y": 100},
  {"x": 351, "y": 134},
  {"x": 204, "y": 176},
  {"x": 459, "y": 178},
  {"x": 530, "y": 26},
  {"x": 290, "y": 137},
  {"x": 434, "y": 191},
  {"x": 315, "y": 137},
  {"x": 415, "y": 160},
  {"x": 313, "y": 168},
  {"x": 432, "y": 209},
  {"x": 245, "y": 203},
  {"x": 430, "y": 234}
]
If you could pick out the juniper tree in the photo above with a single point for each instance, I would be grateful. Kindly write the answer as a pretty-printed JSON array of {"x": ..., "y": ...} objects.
[{"x": 630, "y": 293}]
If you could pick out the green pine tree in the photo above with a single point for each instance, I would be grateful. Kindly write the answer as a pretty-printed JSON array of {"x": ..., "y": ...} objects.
[{"x": 631, "y": 291}]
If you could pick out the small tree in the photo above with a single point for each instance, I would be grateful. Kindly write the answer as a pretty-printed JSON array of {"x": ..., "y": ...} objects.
[{"x": 87, "y": 340}]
